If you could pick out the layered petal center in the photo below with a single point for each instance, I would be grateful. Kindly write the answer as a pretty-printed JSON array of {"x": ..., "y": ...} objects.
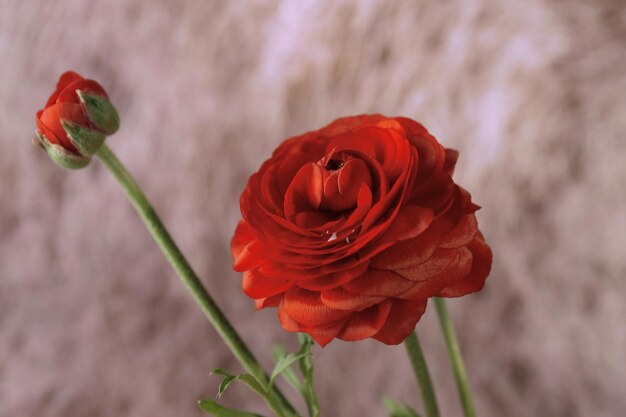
[{"x": 344, "y": 176}]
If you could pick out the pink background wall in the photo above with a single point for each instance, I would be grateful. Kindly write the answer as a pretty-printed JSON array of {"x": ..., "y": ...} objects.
[{"x": 93, "y": 322}]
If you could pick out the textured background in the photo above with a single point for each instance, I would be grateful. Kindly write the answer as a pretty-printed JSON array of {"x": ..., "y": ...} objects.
[{"x": 94, "y": 323}]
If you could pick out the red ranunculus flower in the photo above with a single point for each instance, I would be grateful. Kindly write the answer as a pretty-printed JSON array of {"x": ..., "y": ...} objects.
[
  {"x": 349, "y": 229},
  {"x": 75, "y": 121}
]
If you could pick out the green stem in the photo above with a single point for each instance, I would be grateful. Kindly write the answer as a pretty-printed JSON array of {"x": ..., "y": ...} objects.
[
  {"x": 416, "y": 355},
  {"x": 147, "y": 213},
  {"x": 454, "y": 352}
]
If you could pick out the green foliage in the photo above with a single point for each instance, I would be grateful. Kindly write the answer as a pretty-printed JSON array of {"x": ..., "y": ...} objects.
[
  {"x": 304, "y": 384},
  {"x": 284, "y": 368},
  {"x": 247, "y": 379},
  {"x": 399, "y": 410},
  {"x": 279, "y": 352},
  {"x": 283, "y": 363},
  {"x": 217, "y": 410}
]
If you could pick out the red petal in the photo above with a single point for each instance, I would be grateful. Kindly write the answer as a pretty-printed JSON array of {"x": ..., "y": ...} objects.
[
  {"x": 456, "y": 270},
  {"x": 434, "y": 265},
  {"x": 288, "y": 168},
  {"x": 243, "y": 235},
  {"x": 366, "y": 323},
  {"x": 273, "y": 301},
  {"x": 401, "y": 321},
  {"x": 342, "y": 187},
  {"x": 68, "y": 93},
  {"x": 306, "y": 308},
  {"x": 364, "y": 203},
  {"x": 334, "y": 279},
  {"x": 410, "y": 252},
  {"x": 64, "y": 80},
  {"x": 43, "y": 129},
  {"x": 51, "y": 118},
  {"x": 322, "y": 334},
  {"x": 305, "y": 191},
  {"x": 341, "y": 299},
  {"x": 321, "y": 221},
  {"x": 240, "y": 246},
  {"x": 431, "y": 160},
  {"x": 256, "y": 285},
  {"x": 345, "y": 124},
  {"x": 247, "y": 259},
  {"x": 351, "y": 176},
  {"x": 379, "y": 283},
  {"x": 287, "y": 321},
  {"x": 462, "y": 234},
  {"x": 481, "y": 266},
  {"x": 410, "y": 222},
  {"x": 269, "y": 192},
  {"x": 452, "y": 155}
]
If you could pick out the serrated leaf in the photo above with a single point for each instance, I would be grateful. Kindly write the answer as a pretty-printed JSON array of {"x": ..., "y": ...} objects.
[
  {"x": 217, "y": 410},
  {"x": 399, "y": 410},
  {"x": 284, "y": 363}
]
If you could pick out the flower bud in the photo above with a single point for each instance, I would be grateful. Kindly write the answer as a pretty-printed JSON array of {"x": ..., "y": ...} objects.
[{"x": 75, "y": 121}]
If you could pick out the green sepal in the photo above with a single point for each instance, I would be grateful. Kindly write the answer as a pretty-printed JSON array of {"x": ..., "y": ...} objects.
[
  {"x": 399, "y": 410},
  {"x": 61, "y": 156},
  {"x": 100, "y": 112},
  {"x": 87, "y": 141},
  {"x": 217, "y": 410}
]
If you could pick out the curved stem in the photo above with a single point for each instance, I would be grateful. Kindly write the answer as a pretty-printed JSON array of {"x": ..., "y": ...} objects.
[
  {"x": 454, "y": 352},
  {"x": 416, "y": 355},
  {"x": 160, "y": 234}
]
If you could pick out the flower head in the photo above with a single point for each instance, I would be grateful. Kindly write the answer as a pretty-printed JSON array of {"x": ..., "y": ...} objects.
[
  {"x": 350, "y": 229},
  {"x": 75, "y": 121}
]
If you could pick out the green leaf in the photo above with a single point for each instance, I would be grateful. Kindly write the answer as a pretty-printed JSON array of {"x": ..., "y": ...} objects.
[
  {"x": 229, "y": 378},
  {"x": 226, "y": 381},
  {"x": 217, "y": 410},
  {"x": 220, "y": 371},
  {"x": 398, "y": 410},
  {"x": 284, "y": 363},
  {"x": 279, "y": 352},
  {"x": 253, "y": 383}
]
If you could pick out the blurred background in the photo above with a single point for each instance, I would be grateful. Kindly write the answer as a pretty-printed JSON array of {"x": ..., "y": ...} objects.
[{"x": 93, "y": 322}]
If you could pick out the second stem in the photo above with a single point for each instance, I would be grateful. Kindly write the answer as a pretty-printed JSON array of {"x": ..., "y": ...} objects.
[
  {"x": 175, "y": 257},
  {"x": 416, "y": 355}
]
